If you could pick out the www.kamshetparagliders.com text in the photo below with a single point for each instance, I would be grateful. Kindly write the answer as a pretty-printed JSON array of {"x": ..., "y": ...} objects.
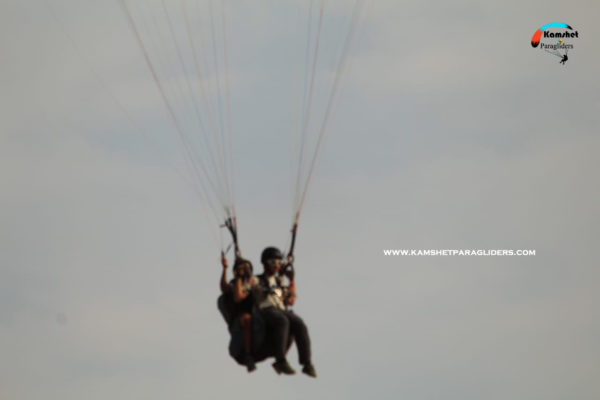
[{"x": 457, "y": 252}]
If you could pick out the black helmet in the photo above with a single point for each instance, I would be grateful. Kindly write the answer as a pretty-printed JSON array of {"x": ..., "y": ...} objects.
[{"x": 270, "y": 252}]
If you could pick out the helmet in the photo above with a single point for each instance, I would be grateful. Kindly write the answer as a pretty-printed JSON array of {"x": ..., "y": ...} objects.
[{"x": 270, "y": 252}]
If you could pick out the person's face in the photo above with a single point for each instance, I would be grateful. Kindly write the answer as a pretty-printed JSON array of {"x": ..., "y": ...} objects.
[
  {"x": 243, "y": 269},
  {"x": 272, "y": 265}
]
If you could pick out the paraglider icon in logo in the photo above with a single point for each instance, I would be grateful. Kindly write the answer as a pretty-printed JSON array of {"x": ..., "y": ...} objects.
[
  {"x": 559, "y": 48},
  {"x": 565, "y": 57}
]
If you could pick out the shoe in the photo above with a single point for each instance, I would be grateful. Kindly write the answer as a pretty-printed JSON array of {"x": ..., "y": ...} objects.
[
  {"x": 250, "y": 365},
  {"x": 282, "y": 366},
  {"x": 309, "y": 370}
]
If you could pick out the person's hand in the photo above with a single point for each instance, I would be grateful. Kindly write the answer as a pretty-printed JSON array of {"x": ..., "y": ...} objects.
[
  {"x": 289, "y": 272},
  {"x": 223, "y": 260}
]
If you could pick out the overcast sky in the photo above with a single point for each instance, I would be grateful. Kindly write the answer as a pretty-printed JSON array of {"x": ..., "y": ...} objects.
[{"x": 451, "y": 132}]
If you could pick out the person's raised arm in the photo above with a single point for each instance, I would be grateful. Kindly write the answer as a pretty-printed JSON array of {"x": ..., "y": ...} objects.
[
  {"x": 290, "y": 299},
  {"x": 224, "y": 286}
]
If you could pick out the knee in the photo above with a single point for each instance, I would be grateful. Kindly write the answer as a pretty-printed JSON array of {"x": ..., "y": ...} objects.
[
  {"x": 298, "y": 323},
  {"x": 280, "y": 319},
  {"x": 275, "y": 318}
]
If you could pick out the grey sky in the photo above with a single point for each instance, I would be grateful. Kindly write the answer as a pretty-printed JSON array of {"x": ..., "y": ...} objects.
[{"x": 452, "y": 132}]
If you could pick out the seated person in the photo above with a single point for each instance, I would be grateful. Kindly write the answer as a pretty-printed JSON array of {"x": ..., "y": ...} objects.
[
  {"x": 240, "y": 288},
  {"x": 272, "y": 300}
]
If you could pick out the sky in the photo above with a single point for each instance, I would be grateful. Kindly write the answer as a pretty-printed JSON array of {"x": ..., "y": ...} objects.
[{"x": 451, "y": 132}]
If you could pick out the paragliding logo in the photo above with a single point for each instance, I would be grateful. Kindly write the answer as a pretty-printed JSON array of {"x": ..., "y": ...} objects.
[{"x": 553, "y": 31}]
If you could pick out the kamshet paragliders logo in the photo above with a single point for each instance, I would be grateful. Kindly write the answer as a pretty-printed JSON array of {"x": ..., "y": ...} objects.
[{"x": 552, "y": 39}]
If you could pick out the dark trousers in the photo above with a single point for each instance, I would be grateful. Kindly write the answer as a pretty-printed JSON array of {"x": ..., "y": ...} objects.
[{"x": 281, "y": 323}]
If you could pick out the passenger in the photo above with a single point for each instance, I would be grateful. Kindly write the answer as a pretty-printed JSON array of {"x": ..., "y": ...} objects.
[
  {"x": 240, "y": 288},
  {"x": 272, "y": 300}
]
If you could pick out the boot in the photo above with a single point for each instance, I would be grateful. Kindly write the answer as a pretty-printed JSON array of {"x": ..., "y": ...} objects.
[
  {"x": 309, "y": 370},
  {"x": 282, "y": 366}
]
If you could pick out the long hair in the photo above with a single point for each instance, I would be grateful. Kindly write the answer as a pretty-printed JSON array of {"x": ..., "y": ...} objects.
[{"x": 239, "y": 261}]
